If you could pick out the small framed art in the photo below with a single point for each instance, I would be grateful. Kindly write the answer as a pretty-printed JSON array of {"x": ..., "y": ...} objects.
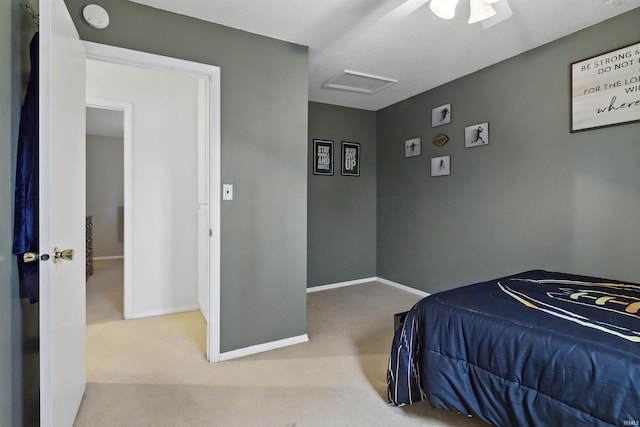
[
  {"x": 322, "y": 157},
  {"x": 441, "y": 166},
  {"x": 476, "y": 135},
  {"x": 350, "y": 159},
  {"x": 441, "y": 115},
  {"x": 412, "y": 147}
]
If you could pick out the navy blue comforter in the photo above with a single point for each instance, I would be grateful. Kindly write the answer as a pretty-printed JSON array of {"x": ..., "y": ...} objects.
[{"x": 533, "y": 349}]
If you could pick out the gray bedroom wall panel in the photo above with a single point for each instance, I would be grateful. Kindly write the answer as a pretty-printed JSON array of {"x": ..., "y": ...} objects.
[
  {"x": 16, "y": 30},
  {"x": 264, "y": 127},
  {"x": 537, "y": 196},
  {"x": 6, "y": 201},
  {"x": 342, "y": 209}
]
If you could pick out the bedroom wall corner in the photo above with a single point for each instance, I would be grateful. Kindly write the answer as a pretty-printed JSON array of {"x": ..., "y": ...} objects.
[
  {"x": 341, "y": 210},
  {"x": 6, "y": 258},
  {"x": 14, "y": 30}
]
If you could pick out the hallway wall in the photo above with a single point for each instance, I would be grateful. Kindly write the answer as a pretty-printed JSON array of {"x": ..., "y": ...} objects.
[
  {"x": 105, "y": 194},
  {"x": 164, "y": 182}
]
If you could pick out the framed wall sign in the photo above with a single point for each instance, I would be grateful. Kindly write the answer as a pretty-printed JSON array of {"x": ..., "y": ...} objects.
[
  {"x": 605, "y": 89},
  {"x": 322, "y": 157},
  {"x": 350, "y": 159}
]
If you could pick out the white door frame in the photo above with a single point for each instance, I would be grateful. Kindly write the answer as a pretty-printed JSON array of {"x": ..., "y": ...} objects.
[{"x": 118, "y": 55}]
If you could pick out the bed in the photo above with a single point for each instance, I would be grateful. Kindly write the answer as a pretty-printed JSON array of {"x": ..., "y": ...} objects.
[{"x": 534, "y": 349}]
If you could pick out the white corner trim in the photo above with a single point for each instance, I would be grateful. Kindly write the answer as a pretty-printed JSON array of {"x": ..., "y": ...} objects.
[
  {"x": 340, "y": 284},
  {"x": 260, "y": 348},
  {"x": 403, "y": 287},
  {"x": 204, "y": 310},
  {"x": 368, "y": 280}
]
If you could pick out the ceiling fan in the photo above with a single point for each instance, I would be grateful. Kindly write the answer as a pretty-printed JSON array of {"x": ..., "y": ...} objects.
[{"x": 487, "y": 12}]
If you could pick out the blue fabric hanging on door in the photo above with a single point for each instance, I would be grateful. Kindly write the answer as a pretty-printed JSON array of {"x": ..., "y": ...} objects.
[{"x": 25, "y": 231}]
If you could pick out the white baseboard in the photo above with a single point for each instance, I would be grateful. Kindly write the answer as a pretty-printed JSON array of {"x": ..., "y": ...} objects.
[
  {"x": 367, "y": 280},
  {"x": 164, "y": 311},
  {"x": 403, "y": 287},
  {"x": 340, "y": 284},
  {"x": 102, "y": 258},
  {"x": 259, "y": 348}
]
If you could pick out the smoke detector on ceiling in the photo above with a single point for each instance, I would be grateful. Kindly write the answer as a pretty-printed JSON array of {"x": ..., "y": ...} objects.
[
  {"x": 353, "y": 81},
  {"x": 96, "y": 16}
]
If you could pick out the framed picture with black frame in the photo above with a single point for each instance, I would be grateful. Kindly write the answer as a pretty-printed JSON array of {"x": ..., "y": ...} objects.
[
  {"x": 350, "y": 159},
  {"x": 322, "y": 157}
]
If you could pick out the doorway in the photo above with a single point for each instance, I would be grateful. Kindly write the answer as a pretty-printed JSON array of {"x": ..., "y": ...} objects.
[
  {"x": 148, "y": 174},
  {"x": 105, "y": 132}
]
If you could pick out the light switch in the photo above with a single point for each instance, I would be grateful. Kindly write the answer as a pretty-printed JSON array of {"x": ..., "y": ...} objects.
[{"x": 227, "y": 191}]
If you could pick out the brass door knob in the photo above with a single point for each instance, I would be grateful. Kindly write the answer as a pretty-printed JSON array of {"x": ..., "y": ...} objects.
[{"x": 66, "y": 254}]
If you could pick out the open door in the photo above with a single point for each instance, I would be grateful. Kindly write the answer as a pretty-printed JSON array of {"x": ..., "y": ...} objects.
[{"x": 62, "y": 211}]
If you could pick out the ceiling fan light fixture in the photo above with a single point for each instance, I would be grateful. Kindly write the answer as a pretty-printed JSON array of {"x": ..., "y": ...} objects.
[
  {"x": 445, "y": 9},
  {"x": 480, "y": 10},
  {"x": 504, "y": 12}
]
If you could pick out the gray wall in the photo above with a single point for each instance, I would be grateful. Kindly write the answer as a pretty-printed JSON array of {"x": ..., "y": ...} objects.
[
  {"x": 537, "y": 196},
  {"x": 18, "y": 320},
  {"x": 105, "y": 194},
  {"x": 264, "y": 132},
  {"x": 342, "y": 209},
  {"x": 8, "y": 326}
]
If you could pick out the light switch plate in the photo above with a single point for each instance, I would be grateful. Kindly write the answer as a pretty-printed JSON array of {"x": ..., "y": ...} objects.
[
  {"x": 440, "y": 166},
  {"x": 227, "y": 191}
]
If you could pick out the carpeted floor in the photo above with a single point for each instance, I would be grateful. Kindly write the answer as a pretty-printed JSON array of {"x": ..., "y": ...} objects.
[{"x": 152, "y": 372}]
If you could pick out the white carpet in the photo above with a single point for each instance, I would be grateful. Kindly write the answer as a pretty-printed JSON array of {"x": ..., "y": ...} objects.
[{"x": 152, "y": 372}]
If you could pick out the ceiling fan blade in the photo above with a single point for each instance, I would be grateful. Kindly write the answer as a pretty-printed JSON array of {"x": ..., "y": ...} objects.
[
  {"x": 402, "y": 11},
  {"x": 503, "y": 12}
]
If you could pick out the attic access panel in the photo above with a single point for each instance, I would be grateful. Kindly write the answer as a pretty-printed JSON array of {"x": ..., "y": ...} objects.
[{"x": 354, "y": 81}]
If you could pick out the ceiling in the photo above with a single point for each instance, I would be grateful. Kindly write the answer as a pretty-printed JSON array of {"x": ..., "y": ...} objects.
[{"x": 420, "y": 51}]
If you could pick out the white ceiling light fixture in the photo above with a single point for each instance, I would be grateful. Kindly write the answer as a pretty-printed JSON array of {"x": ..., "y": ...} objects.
[
  {"x": 503, "y": 12},
  {"x": 445, "y": 9},
  {"x": 480, "y": 9}
]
